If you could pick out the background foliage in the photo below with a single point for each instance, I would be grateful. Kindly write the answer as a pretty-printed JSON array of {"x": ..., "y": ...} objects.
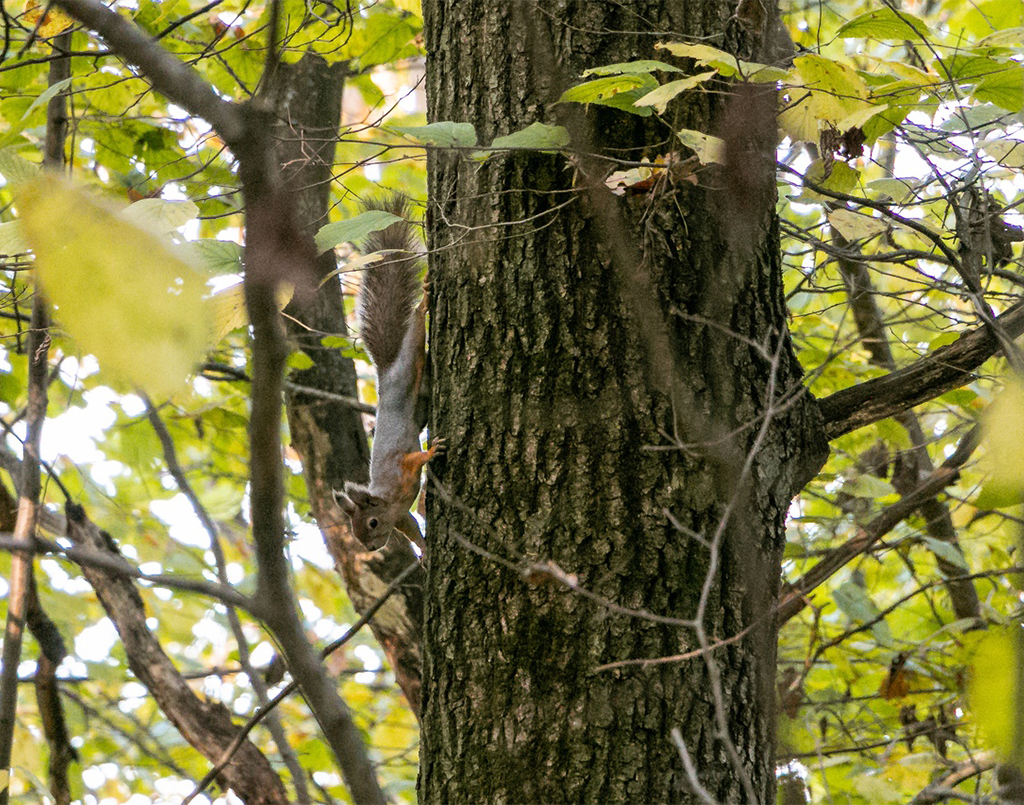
[{"x": 905, "y": 119}]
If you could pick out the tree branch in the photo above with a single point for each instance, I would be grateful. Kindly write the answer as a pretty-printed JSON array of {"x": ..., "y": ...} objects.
[
  {"x": 915, "y": 463},
  {"x": 24, "y": 533},
  {"x": 205, "y": 724},
  {"x": 946, "y": 368},
  {"x": 794, "y": 598},
  {"x": 255, "y": 678},
  {"x": 169, "y": 76}
]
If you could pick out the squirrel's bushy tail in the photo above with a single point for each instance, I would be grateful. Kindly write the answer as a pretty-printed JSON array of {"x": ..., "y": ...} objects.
[{"x": 390, "y": 288}]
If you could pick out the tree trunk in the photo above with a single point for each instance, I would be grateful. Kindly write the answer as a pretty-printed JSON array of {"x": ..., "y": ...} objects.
[
  {"x": 326, "y": 432},
  {"x": 625, "y": 419}
]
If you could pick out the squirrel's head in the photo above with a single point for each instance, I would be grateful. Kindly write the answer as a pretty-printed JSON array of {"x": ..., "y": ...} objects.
[{"x": 372, "y": 520}]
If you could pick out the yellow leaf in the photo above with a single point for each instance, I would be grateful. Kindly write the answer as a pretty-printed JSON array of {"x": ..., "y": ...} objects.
[
  {"x": 708, "y": 147},
  {"x": 228, "y": 308},
  {"x": 992, "y": 689},
  {"x": 854, "y": 226},
  {"x": 1004, "y": 434},
  {"x": 122, "y": 292},
  {"x": 56, "y": 21}
]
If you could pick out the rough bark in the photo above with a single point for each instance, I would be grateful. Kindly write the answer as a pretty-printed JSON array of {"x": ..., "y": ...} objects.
[
  {"x": 600, "y": 412},
  {"x": 327, "y": 433}
]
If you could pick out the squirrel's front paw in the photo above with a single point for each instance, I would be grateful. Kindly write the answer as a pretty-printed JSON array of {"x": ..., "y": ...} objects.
[{"x": 437, "y": 447}]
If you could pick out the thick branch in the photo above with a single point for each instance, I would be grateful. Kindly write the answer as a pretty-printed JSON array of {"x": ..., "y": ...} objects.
[
  {"x": 276, "y": 250},
  {"x": 946, "y": 368},
  {"x": 205, "y": 724},
  {"x": 169, "y": 76},
  {"x": 325, "y": 428}
]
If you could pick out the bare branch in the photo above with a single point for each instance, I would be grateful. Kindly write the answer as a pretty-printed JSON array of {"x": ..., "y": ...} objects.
[
  {"x": 255, "y": 678},
  {"x": 116, "y": 564},
  {"x": 268, "y": 708},
  {"x": 24, "y": 532}
]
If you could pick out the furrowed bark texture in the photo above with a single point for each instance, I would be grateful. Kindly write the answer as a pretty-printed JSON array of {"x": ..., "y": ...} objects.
[
  {"x": 327, "y": 434},
  {"x": 573, "y": 440}
]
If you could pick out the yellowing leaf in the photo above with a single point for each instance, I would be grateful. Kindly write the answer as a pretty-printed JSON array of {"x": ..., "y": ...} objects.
[
  {"x": 708, "y": 147},
  {"x": 121, "y": 291},
  {"x": 1004, "y": 435},
  {"x": 1006, "y": 151},
  {"x": 660, "y": 97},
  {"x": 161, "y": 216},
  {"x": 854, "y": 226},
  {"x": 992, "y": 689},
  {"x": 56, "y": 21},
  {"x": 857, "y": 119},
  {"x": 228, "y": 310},
  {"x": 823, "y": 92}
]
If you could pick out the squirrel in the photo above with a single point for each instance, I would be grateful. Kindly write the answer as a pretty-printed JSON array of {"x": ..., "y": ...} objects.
[{"x": 393, "y": 328}]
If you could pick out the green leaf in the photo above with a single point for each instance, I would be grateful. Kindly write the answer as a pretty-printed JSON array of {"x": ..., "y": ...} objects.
[
  {"x": 996, "y": 494},
  {"x": 992, "y": 687},
  {"x": 353, "y": 229},
  {"x": 946, "y": 551},
  {"x": 603, "y": 88},
  {"x": 539, "y": 136},
  {"x": 633, "y": 68},
  {"x": 14, "y": 167},
  {"x": 40, "y": 100},
  {"x": 886, "y": 23},
  {"x": 445, "y": 134},
  {"x": 855, "y": 603},
  {"x": 122, "y": 292},
  {"x": 216, "y": 257},
  {"x": 11, "y": 240},
  {"x": 300, "y": 360},
  {"x": 1004, "y": 88},
  {"x": 1004, "y": 435},
  {"x": 162, "y": 217},
  {"x": 660, "y": 97},
  {"x": 1005, "y": 38}
]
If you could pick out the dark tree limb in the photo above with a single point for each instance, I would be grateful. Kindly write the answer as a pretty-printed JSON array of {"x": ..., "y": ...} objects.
[
  {"x": 276, "y": 250},
  {"x": 205, "y": 724},
  {"x": 945, "y": 369}
]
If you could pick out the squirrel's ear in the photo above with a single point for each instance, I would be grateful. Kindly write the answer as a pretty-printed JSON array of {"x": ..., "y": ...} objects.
[
  {"x": 347, "y": 504},
  {"x": 359, "y": 496}
]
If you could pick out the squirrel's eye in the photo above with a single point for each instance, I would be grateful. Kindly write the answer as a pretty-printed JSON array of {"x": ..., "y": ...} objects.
[{"x": 373, "y": 522}]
